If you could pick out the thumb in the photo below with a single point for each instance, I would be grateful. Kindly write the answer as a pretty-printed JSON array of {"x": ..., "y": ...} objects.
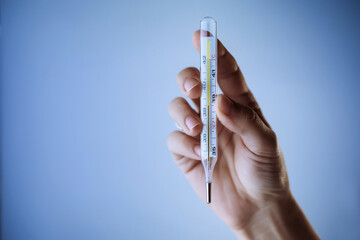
[{"x": 245, "y": 122}]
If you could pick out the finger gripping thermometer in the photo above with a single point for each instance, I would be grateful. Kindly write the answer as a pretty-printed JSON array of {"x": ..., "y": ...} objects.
[{"x": 208, "y": 75}]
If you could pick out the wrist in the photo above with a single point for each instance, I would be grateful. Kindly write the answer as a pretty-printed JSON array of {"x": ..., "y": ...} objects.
[{"x": 280, "y": 219}]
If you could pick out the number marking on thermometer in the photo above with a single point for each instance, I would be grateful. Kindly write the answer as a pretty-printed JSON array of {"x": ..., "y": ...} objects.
[{"x": 208, "y": 75}]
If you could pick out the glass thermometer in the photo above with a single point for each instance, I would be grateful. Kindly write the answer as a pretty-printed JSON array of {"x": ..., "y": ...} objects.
[{"x": 208, "y": 75}]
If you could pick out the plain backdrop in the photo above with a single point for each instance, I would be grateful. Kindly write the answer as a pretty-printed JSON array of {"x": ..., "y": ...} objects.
[{"x": 84, "y": 92}]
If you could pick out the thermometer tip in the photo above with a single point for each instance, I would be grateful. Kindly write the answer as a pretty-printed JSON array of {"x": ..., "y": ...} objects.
[{"x": 208, "y": 192}]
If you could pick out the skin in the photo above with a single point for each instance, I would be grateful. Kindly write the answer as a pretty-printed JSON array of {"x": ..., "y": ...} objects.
[{"x": 250, "y": 190}]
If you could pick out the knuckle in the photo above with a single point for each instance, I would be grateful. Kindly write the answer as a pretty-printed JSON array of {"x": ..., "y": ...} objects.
[
  {"x": 246, "y": 113},
  {"x": 230, "y": 73},
  {"x": 272, "y": 138},
  {"x": 252, "y": 115},
  {"x": 254, "y": 105}
]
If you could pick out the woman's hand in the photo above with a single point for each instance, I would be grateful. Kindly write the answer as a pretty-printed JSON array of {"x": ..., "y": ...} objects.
[{"x": 250, "y": 184}]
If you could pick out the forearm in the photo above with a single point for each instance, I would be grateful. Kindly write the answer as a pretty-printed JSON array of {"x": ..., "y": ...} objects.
[{"x": 280, "y": 220}]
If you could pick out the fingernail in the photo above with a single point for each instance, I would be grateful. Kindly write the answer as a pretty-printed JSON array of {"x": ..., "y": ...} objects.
[
  {"x": 190, "y": 84},
  {"x": 225, "y": 105},
  {"x": 197, "y": 149},
  {"x": 191, "y": 122}
]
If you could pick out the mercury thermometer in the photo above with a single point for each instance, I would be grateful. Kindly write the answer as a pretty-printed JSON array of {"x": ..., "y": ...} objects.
[{"x": 208, "y": 75}]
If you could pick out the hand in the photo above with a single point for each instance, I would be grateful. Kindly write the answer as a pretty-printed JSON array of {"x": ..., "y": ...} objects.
[{"x": 250, "y": 190}]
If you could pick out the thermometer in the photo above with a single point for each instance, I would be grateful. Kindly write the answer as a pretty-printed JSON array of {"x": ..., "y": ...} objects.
[{"x": 208, "y": 75}]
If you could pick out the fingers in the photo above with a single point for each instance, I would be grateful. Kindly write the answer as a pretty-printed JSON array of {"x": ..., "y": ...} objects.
[
  {"x": 246, "y": 123},
  {"x": 186, "y": 152},
  {"x": 183, "y": 145},
  {"x": 189, "y": 83},
  {"x": 230, "y": 78},
  {"x": 185, "y": 116}
]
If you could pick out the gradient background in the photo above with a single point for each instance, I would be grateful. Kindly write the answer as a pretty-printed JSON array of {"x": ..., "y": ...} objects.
[{"x": 84, "y": 92}]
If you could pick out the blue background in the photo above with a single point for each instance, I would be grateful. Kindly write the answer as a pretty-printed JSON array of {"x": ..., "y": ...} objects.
[{"x": 84, "y": 92}]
